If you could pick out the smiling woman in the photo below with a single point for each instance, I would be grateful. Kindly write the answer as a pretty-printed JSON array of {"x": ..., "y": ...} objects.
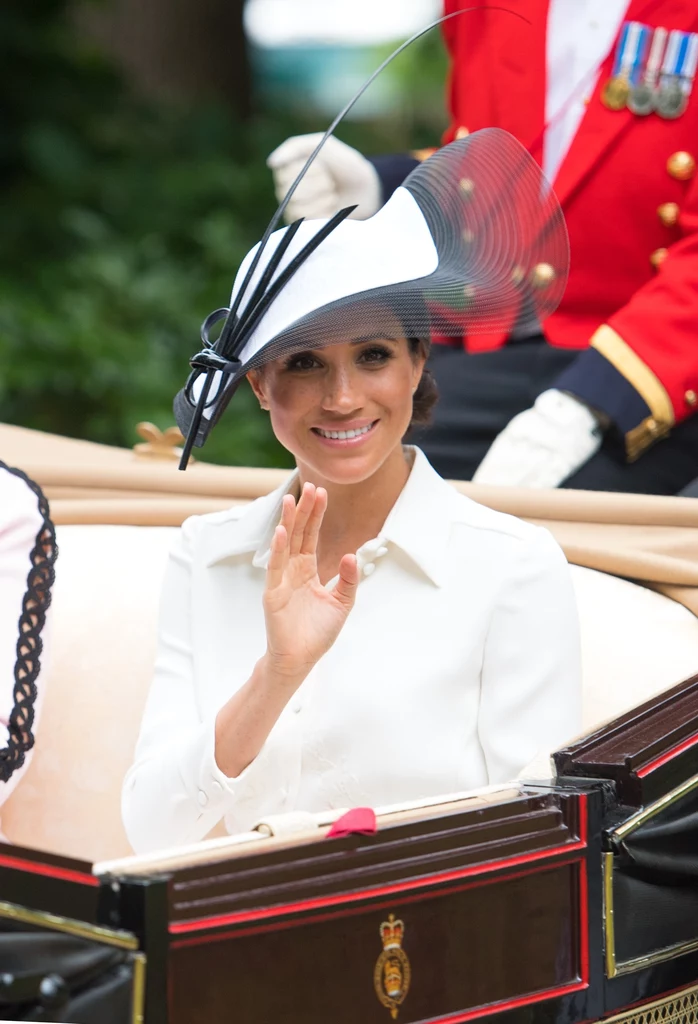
[
  {"x": 355, "y": 398},
  {"x": 364, "y": 635}
]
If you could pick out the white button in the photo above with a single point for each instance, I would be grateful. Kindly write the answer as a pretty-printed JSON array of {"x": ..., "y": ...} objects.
[
  {"x": 216, "y": 788},
  {"x": 593, "y": 24},
  {"x": 202, "y": 798},
  {"x": 296, "y": 709},
  {"x": 369, "y": 568},
  {"x": 380, "y": 552}
]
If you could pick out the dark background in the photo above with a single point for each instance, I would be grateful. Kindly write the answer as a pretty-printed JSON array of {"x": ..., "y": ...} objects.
[{"x": 133, "y": 140}]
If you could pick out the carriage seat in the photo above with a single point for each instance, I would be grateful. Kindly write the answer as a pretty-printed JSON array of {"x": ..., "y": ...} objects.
[{"x": 105, "y": 601}]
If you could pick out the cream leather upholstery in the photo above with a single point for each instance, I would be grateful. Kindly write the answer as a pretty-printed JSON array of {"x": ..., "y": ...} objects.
[{"x": 635, "y": 643}]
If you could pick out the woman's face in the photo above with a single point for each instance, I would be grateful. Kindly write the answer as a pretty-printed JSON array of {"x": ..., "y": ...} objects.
[{"x": 341, "y": 410}]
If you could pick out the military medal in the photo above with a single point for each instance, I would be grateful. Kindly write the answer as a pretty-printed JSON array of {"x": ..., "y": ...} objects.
[
  {"x": 670, "y": 101},
  {"x": 669, "y": 98},
  {"x": 642, "y": 96},
  {"x": 678, "y": 72},
  {"x": 615, "y": 93},
  {"x": 629, "y": 55}
]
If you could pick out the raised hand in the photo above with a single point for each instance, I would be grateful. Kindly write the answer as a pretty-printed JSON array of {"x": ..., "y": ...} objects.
[
  {"x": 339, "y": 176},
  {"x": 303, "y": 618}
]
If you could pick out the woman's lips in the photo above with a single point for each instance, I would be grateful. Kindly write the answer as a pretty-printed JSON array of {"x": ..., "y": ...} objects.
[{"x": 359, "y": 432}]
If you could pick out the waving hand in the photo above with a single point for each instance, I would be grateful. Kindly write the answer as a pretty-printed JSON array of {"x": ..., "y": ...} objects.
[{"x": 303, "y": 618}]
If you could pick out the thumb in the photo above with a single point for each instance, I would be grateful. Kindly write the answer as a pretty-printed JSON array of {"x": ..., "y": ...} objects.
[
  {"x": 345, "y": 587},
  {"x": 297, "y": 148}
]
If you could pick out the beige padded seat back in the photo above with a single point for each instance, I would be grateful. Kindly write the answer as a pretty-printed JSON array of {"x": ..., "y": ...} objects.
[
  {"x": 108, "y": 580},
  {"x": 105, "y": 602},
  {"x": 635, "y": 644}
]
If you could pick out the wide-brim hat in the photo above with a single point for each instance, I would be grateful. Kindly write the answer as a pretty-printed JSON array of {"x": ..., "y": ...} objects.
[{"x": 473, "y": 241}]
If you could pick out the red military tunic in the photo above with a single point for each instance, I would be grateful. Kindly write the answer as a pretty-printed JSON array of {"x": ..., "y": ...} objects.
[{"x": 633, "y": 287}]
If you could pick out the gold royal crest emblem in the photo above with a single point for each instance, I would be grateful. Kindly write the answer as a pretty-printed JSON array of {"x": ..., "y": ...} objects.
[{"x": 391, "y": 975}]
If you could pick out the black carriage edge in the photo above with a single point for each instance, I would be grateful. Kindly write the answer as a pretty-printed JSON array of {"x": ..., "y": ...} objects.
[{"x": 567, "y": 899}]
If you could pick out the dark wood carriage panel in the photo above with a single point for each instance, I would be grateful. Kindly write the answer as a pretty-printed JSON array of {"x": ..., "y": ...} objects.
[
  {"x": 489, "y": 942},
  {"x": 48, "y": 883},
  {"x": 647, "y": 751},
  {"x": 524, "y": 825}
]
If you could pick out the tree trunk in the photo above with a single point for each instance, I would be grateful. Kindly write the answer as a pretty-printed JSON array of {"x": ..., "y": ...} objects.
[{"x": 177, "y": 49}]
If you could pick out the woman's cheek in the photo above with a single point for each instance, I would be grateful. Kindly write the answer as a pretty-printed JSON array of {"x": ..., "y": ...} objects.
[{"x": 288, "y": 406}]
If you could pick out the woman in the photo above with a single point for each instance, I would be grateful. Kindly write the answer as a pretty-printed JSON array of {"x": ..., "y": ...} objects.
[{"x": 365, "y": 634}]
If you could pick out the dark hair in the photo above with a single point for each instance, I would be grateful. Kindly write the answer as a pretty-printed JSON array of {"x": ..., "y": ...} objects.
[{"x": 427, "y": 394}]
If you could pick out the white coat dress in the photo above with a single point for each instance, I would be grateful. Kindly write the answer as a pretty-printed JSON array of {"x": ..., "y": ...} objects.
[{"x": 459, "y": 663}]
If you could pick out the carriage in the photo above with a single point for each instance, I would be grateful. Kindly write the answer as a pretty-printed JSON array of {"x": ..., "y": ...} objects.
[{"x": 568, "y": 895}]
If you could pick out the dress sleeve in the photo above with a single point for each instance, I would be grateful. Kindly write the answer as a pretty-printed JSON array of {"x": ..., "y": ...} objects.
[
  {"x": 175, "y": 793},
  {"x": 531, "y": 687}
]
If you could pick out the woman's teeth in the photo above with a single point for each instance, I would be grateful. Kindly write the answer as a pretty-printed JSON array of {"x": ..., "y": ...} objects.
[{"x": 343, "y": 435}]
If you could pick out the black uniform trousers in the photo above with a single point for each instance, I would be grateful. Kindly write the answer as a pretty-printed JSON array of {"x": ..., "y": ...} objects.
[{"x": 481, "y": 392}]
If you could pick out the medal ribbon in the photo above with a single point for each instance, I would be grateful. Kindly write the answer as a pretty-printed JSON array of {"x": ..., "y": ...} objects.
[
  {"x": 675, "y": 54},
  {"x": 620, "y": 50},
  {"x": 688, "y": 71},
  {"x": 631, "y": 51},
  {"x": 659, "y": 41},
  {"x": 654, "y": 60}
]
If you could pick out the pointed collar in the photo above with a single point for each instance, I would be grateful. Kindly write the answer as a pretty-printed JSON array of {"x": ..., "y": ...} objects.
[
  {"x": 421, "y": 518},
  {"x": 418, "y": 524}
]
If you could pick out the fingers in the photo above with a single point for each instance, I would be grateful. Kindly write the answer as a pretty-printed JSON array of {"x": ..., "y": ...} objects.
[
  {"x": 316, "y": 195},
  {"x": 298, "y": 147},
  {"x": 279, "y": 550},
  {"x": 298, "y": 531},
  {"x": 305, "y": 506},
  {"x": 312, "y": 527},
  {"x": 317, "y": 179},
  {"x": 277, "y": 558},
  {"x": 345, "y": 587}
]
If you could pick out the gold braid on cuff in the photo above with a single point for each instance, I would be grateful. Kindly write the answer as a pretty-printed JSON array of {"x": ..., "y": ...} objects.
[{"x": 661, "y": 419}]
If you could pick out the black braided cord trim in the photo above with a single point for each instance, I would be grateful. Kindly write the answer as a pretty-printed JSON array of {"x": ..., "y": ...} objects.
[{"x": 35, "y": 605}]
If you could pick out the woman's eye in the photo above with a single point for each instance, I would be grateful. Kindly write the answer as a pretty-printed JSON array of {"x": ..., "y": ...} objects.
[
  {"x": 301, "y": 362},
  {"x": 376, "y": 354}
]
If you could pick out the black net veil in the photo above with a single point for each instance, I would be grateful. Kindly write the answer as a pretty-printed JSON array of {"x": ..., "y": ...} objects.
[{"x": 503, "y": 257}]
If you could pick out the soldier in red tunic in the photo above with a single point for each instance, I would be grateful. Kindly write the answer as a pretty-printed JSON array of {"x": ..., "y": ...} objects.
[{"x": 604, "y": 396}]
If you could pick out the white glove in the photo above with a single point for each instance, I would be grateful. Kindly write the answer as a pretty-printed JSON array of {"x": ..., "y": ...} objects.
[
  {"x": 544, "y": 445},
  {"x": 339, "y": 176}
]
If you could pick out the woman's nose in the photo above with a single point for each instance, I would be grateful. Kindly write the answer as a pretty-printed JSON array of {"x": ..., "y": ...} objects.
[{"x": 342, "y": 394}]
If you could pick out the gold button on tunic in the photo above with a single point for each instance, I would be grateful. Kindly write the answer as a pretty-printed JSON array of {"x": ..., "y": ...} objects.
[
  {"x": 658, "y": 257},
  {"x": 681, "y": 165},
  {"x": 668, "y": 214}
]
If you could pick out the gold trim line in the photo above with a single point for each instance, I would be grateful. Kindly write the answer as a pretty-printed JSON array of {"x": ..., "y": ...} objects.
[
  {"x": 138, "y": 1000},
  {"x": 612, "y": 347},
  {"x": 638, "y": 963},
  {"x": 651, "y": 810},
  {"x": 608, "y": 925},
  {"x": 81, "y": 930},
  {"x": 614, "y": 967}
]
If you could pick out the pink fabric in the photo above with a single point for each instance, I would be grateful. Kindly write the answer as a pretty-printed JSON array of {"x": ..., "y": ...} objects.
[{"x": 359, "y": 821}]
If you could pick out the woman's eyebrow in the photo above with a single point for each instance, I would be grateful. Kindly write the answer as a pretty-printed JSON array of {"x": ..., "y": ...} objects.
[{"x": 374, "y": 337}]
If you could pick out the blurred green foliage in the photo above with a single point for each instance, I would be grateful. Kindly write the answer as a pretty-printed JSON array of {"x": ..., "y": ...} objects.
[{"x": 122, "y": 226}]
